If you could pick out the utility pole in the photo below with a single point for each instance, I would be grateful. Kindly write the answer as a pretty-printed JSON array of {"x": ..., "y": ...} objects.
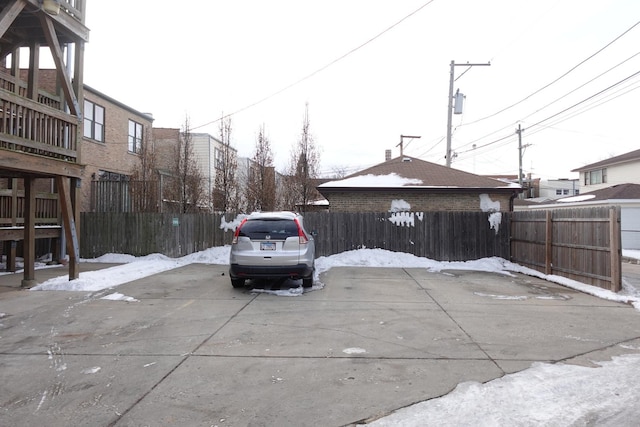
[
  {"x": 519, "y": 132},
  {"x": 401, "y": 144},
  {"x": 450, "y": 110}
]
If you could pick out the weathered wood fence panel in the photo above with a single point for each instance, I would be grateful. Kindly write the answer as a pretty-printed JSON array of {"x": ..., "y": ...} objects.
[
  {"x": 442, "y": 236},
  {"x": 141, "y": 234},
  {"x": 580, "y": 244}
]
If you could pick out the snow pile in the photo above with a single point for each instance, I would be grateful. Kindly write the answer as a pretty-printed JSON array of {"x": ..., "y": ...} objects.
[
  {"x": 488, "y": 205},
  {"x": 391, "y": 180},
  {"x": 545, "y": 394},
  {"x": 406, "y": 219},
  {"x": 137, "y": 268},
  {"x": 400, "y": 205},
  {"x": 116, "y": 296},
  {"x": 495, "y": 217}
]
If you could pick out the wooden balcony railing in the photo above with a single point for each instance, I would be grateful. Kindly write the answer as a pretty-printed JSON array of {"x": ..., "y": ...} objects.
[
  {"x": 36, "y": 128},
  {"x": 12, "y": 208},
  {"x": 19, "y": 87}
]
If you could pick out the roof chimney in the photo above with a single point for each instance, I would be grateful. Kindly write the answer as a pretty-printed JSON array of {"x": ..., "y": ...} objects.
[{"x": 387, "y": 155}]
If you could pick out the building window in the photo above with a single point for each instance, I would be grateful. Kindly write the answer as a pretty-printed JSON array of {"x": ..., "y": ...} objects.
[
  {"x": 93, "y": 121},
  {"x": 219, "y": 159},
  {"x": 594, "y": 177},
  {"x": 135, "y": 137},
  {"x": 558, "y": 192}
]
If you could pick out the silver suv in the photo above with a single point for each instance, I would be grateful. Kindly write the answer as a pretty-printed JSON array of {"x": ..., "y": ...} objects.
[{"x": 272, "y": 245}]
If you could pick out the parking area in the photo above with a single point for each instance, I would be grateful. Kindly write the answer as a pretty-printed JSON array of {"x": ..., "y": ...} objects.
[{"x": 192, "y": 350}]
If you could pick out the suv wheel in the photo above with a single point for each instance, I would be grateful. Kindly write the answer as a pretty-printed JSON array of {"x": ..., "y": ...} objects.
[
  {"x": 307, "y": 282},
  {"x": 237, "y": 283}
]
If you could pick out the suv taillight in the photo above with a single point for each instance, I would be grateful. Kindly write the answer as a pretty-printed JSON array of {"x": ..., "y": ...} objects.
[
  {"x": 303, "y": 237},
  {"x": 237, "y": 232}
]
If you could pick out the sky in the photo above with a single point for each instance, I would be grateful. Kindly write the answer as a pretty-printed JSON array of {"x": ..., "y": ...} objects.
[
  {"x": 372, "y": 70},
  {"x": 544, "y": 394}
]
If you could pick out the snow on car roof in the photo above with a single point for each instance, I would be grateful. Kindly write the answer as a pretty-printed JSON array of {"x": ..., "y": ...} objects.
[{"x": 273, "y": 215}]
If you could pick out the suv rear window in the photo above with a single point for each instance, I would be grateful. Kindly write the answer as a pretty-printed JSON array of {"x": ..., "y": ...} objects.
[{"x": 277, "y": 229}]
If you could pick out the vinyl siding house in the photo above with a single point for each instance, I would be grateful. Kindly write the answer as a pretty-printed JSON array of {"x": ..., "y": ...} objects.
[
  {"x": 410, "y": 184},
  {"x": 559, "y": 188},
  {"x": 616, "y": 170},
  {"x": 208, "y": 152}
]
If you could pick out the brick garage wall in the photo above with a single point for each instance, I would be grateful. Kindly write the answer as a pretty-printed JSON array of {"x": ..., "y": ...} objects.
[
  {"x": 420, "y": 202},
  {"x": 113, "y": 154}
]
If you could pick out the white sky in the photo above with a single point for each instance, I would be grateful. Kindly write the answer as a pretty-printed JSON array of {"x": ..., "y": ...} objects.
[
  {"x": 210, "y": 57},
  {"x": 223, "y": 56},
  {"x": 545, "y": 394}
]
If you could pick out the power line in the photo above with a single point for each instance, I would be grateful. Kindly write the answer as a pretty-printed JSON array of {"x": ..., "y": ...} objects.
[
  {"x": 591, "y": 97},
  {"x": 588, "y": 108},
  {"x": 586, "y": 99},
  {"x": 558, "y": 78},
  {"x": 551, "y": 103},
  {"x": 319, "y": 70},
  {"x": 583, "y": 85}
]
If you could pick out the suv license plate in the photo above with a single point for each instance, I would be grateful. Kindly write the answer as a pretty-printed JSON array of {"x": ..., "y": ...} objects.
[{"x": 267, "y": 246}]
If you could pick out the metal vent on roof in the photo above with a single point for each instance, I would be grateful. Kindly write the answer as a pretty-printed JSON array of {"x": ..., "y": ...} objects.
[{"x": 406, "y": 159}]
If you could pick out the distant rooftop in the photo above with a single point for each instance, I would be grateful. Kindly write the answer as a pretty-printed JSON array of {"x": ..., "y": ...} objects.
[{"x": 409, "y": 172}]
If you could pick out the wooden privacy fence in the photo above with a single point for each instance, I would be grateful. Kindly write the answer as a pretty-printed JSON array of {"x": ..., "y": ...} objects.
[
  {"x": 581, "y": 244},
  {"x": 125, "y": 196},
  {"x": 445, "y": 236},
  {"x": 141, "y": 234},
  {"x": 442, "y": 236}
]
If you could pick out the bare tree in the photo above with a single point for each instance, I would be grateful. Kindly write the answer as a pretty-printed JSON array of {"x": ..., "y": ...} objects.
[
  {"x": 260, "y": 193},
  {"x": 144, "y": 183},
  {"x": 303, "y": 167},
  {"x": 339, "y": 172},
  {"x": 225, "y": 188},
  {"x": 187, "y": 189}
]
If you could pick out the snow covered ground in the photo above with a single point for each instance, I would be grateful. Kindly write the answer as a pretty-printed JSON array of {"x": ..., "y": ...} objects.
[{"x": 545, "y": 394}]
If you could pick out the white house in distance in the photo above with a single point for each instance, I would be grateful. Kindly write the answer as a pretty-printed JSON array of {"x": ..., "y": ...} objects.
[
  {"x": 621, "y": 169},
  {"x": 611, "y": 182},
  {"x": 557, "y": 188},
  {"x": 209, "y": 154}
]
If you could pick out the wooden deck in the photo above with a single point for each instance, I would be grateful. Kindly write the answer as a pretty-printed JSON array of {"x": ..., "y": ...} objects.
[{"x": 40, "y": 123}]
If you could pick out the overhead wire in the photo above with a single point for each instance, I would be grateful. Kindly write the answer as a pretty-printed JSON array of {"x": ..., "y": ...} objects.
[
  {"x": 583, "y": 85},
  {"x": 557, "y": 114},
  {"x": 558, "y": 78},
  {"x": 590, "y": 107},
  {"x": 556, "y": 100},
  {"x": 586, "y": 99},
  {"x": 319, "y": 70},
  {"x": 551, "y": 103}
]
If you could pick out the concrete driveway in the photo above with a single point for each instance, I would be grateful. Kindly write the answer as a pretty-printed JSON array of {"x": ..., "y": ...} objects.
[{"x": 195, "y": 352}]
